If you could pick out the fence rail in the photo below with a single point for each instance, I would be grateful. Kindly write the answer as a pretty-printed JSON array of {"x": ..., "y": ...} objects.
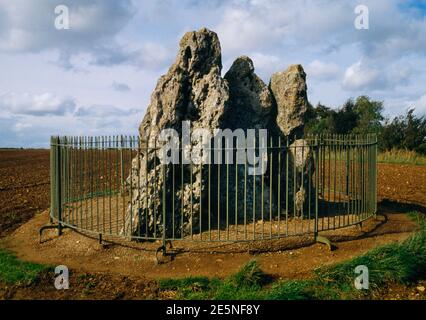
[{"x": 117, "y": 186}]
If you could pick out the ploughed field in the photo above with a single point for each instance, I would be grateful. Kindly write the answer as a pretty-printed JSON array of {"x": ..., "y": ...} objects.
[{"x": 25, "y": 185}]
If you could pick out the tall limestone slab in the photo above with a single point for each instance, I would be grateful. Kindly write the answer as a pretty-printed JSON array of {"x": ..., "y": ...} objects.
[
  {"x": 192, "y": 90},
  {"x": 290, "y": 92}
]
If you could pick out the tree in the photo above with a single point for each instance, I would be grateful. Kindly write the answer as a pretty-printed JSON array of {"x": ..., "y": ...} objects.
[
  {"x": 405, "y": 132},
  {"x": 319, "y": 119},
  {"x": 369, "y": 115},
  {"x": 345, "y": 119},
  {"x": 415, "y": 132}
]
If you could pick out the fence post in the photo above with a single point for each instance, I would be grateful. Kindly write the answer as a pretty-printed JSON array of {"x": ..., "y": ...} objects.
[
  {"x": 121, "y": 163},
  {"x": 375, "y": 174},
  {"x": 317, "y": 162},
  {"x": 58, "y": 173},
  {"x": 347, "y": 165},
  {"x": 164, "y": 206},
  {"x": 52, "y": 179}
]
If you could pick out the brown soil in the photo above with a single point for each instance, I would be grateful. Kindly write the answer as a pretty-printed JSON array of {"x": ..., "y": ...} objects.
[
  {"x": 287, "y": 258},
  {"x": 402, "y": 183},
  {"x": 24, "y": 186},
  {"x": 83, "y": 286},
  {"x": 127, "y": 269},
  {"x": 402, "y": 292}
]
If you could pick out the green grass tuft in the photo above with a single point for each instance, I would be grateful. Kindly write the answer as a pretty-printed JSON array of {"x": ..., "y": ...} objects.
[
  {"x": 14, "y": 271},
  {"x": 249, "y": 276},
  {"x": 401, "y": 157}
]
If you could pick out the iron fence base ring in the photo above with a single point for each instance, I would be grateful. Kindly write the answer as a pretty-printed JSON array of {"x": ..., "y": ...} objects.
[
  {"x": 324, "y": 240},
  {"x": 55, "y": 226},
  {"x": 163, "y": 250}
]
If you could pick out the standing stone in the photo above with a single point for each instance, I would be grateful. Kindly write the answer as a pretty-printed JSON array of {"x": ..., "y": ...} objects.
[
  {"x": 195, "y": 196},
  {"x": 302, "y": 164},
  {"x": 192, "y": 90},
  {"x": 250, "y": 97},
  {"x": 251, "y": 107},
  {"x": 290, "y": 92}
]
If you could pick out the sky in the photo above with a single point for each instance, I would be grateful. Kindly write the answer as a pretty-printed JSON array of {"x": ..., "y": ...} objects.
[{"x": 96, "y": 77}]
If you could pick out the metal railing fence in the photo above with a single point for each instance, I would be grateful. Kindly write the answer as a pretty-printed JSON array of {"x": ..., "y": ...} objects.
[{"x": 116, "y": 186}]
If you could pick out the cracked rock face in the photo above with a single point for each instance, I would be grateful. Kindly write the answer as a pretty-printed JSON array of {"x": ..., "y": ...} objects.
[
  {"x": 193, "y": 90},
  {"x": 290, "y": 92},
  {"x": 250, "y": 98}
]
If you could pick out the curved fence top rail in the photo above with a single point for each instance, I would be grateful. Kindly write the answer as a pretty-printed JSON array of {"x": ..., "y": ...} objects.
[
  {"x": 116, "y": 186},
  {"x": 134, "y": 141}
]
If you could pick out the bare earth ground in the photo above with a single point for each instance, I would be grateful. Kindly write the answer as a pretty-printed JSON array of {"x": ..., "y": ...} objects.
[
  {"x": 24, "y": 186},
  {"x": 127, "y": 271}
]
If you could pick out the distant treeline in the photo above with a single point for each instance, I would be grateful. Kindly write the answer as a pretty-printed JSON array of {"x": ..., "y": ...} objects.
[{"x": 364, "y": 115}]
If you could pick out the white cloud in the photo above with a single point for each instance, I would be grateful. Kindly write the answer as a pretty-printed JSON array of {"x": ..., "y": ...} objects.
[
  {"x": 121, "y": 87},
  {"x": 244, "y": 29},
  {"x": 132, "y": 42},
  {"x": 94, "y": 24},
  {"x": 103, "y": 111},
  {"x": 360, "y": 76},
  {"x": 153, "y": 55},
  {"x": 265, "y": 64},
  {"x": 36, "y": 104},
  {"x": 322, "y": 70},
  {"x": 371, "y": 75},
  {"x": 419, "y": 105}
]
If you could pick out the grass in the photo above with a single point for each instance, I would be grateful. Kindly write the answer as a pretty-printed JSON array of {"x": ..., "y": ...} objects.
[
  {"x": 403, "y": 262},
  {"x": 401, "y": 157},
  {"x": 14, "y": 271}
]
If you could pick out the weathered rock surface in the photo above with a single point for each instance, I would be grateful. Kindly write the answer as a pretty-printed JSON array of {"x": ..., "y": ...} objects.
[
  {"x": 290, "y": 92},
  {"x": 302, "y": 165},
  {"x": 193, "y": 90},
  {"x": 250, "y": 98}
]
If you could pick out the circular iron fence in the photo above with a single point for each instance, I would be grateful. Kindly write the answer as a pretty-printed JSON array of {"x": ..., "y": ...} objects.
[{"x": 120, "y": 186}]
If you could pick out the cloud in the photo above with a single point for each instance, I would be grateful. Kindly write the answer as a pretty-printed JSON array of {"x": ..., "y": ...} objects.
[
  {"x": 252, "y": 24},
  {"x": 109, "y": 119},
  {"x": 265, "y": 64},
  {"x": 36, "y": 104},
  {"x": 368, "y": 74},
  {"x": 103, "y": 111},
  {"x": 121, "y": 87},
  {"x": 419, "y": 105},
  {"x": 30, "y": 27},
  {"x": 393, "y": 32},
  {"x": 323, "y": 70},
  {"x": 242, "y": 29},
  {"x": 35, "y": 131},
  {"x": 130, "y": 43},
  {"x": 361, "y": 76}
]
